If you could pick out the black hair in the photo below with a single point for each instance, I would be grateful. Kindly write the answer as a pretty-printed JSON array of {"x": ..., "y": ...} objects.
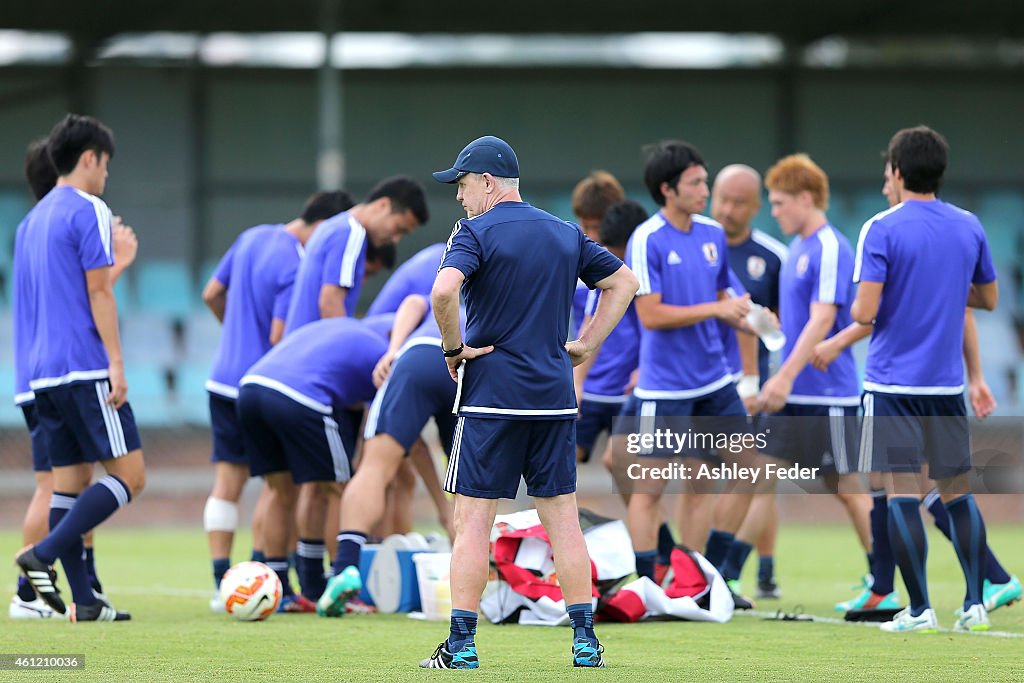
[
  {"x": 619, "y": 222},
  {"x": 73, "y": 136},
  {"x": 405, "y": 193},
  {"x": 920, "y": 154},
  {"x": 666, "y": 161},
  {"x": 386, "y": 254},
  {"x": 39, "y": 170},
  {"x": 322, "y": 205}
]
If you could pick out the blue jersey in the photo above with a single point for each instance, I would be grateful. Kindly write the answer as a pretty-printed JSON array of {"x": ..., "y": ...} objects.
[
  {"x": 335, "y": 255},
  {"x": 580, "y": 297},
  {"x": 258, "y": 272},
  {"x": 757, "y": 263},
  {"x": 325, "y": 365},
  {"x": 820, "y": 270},
  {"x": 380, "y": 323},
  {"x": 927, "y": 254},
  {"x": 730, "y": 343},
  {"x": 56, "y": 342},
  {"x": 616, "y": 360},
  {"x": 415, "y": 276},
  {"x": 521, "y": 265},
  {"x": 686, "y": 268}
]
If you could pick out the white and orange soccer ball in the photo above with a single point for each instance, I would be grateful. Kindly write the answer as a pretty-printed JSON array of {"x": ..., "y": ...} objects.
[{"x": 250, "y": 591}]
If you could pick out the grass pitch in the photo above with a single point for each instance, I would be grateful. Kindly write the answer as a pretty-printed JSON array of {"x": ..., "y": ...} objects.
[{"x": 163, "y": 578}]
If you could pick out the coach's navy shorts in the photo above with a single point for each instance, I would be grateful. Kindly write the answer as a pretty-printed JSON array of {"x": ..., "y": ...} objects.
[
  {"x": 418, "y": 387},
  {"x": 228, "y": 445},
  {"x": 490, "y": 456},
  {"x": 595, "y": 417},
  {"x": 814, "y": 436},
  {"x": 901, "y": 432},
  {"x": 718, "y": 413},
  {"x": 282, "y": 435},
  {"x": 40, "y": 454},
  {"x": 78, "y": 426}
]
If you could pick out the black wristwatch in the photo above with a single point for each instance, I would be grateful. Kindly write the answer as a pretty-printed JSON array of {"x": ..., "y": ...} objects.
[{"x": 454, "y": 352}]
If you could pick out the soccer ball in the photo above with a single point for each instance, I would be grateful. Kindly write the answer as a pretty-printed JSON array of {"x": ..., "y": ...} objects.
[{"x": 250, "y": 591}]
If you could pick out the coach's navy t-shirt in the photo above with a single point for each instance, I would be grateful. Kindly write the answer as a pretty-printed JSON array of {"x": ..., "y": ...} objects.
[{"x": 521, "y": 265}]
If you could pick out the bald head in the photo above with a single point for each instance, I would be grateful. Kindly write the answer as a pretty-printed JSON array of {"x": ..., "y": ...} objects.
[{"x": 736, "y": 199}]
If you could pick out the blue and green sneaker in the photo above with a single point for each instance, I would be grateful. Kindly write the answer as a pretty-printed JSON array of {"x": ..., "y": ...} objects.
[{"x": 340, "y": 589}]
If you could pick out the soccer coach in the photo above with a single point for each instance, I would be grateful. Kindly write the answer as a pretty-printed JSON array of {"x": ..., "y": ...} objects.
[{"x": 517, "y": 267}]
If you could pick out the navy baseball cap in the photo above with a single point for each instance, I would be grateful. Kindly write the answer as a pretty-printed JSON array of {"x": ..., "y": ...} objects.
[{"x": 484, "y": 155}]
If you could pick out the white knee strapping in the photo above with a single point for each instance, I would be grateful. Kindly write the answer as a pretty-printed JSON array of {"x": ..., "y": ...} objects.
[{"x": 220, "y": 515}]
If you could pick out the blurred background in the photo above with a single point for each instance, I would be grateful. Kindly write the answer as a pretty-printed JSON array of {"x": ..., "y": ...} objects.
[{"x": 228, "y": 115}]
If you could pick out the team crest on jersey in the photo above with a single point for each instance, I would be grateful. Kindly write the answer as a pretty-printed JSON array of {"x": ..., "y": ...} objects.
[
  {"x": 710, "y": 250},
  {"x": 802, "y": 263},
  {"x": 756, "y": 266}
]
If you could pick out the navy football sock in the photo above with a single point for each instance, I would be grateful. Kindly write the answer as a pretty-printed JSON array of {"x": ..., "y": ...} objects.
[
  {"x": 71, "y": 555},
  {"x": 350, "y": 547},
  {"x": 735, "y": 558},
  {"x": 665, "y": 544},
  {"x": 766, "y": 568},
  {"x": 581, "y": 616},
  {"x": 645, "y": 563},
  {"x": 717, "y": 547},
  {"x": 310, "y": 567},
  {"x": 967, "y": 531},
  {"x": 221, "y": 565},
  {"x": 25, "y": 591},
  {"x": 90, "y": 567},
  {"x": 883, "y": 564},
  {"x": 994, "y": 571},
  {"x": 462, "y": 630},
  {"x": 910, "y": 547},
  {"x": 280, "y": 566}
]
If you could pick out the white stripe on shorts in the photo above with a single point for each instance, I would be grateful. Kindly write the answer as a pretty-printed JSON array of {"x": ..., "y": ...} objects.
[
  {"x": 338, "y": 455},
  {"x": 453, "y": 461},
  {"x": 837, "y": 430},
  {"x": 867, "y": 433},
  {"x": 648, "y": 409},
  {"x": 112, "y": 421}
]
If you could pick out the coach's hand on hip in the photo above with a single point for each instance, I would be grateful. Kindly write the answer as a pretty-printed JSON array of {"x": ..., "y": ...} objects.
[
  {"x": 578, "y": 352},
  {"x": 468, "y": 353}
]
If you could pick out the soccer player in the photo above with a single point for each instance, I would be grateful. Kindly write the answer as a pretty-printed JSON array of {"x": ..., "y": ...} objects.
[
  {"x": 679, "y": 257},
  {"x": 42, "y": 177},
  {"x": 1000, "y": 588},
  {"x": 813, "y": 412},
  {"x": 415, "y": 276},
  {"x": 756, "y": 258},
  {"x": 517, "y": 267},
  {"x": 914, "y": 295},
  {"x": 65, "y": 303},
  {"x": 331, "y": 274},
  {"x": 414, "y": 385},
  {"x": 590, "y": 200},
  {"x": 249, "y": 293},
  {"x": 299, "y": 408},
  {"x": 604, "y": 383}
]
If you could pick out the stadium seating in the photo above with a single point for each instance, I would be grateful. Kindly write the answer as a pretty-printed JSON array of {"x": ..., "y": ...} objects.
[
  {"x": 165, "y": 287},
  {"x": 148, "y": 394},
  {"x": 191, "y": 398},
  {"x": 202, "y": 332},
  {"x": 148, "y": 337}
]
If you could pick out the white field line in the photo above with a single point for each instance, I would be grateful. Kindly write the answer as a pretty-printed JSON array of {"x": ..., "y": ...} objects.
[{"x": 843, "y": 622}]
